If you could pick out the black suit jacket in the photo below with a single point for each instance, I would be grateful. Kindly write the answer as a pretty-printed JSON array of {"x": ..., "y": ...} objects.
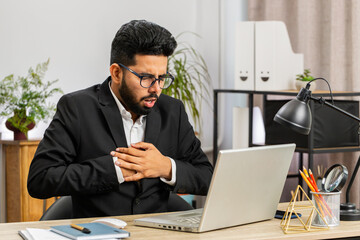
[{"x": 74, "y": 157}]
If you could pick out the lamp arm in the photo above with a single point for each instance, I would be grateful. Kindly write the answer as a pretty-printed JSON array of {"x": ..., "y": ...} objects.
[{"x": 322, "y": 101}]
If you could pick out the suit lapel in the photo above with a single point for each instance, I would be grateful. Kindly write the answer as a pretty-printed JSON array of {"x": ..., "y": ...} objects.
[{"x": 112, "y": 114}]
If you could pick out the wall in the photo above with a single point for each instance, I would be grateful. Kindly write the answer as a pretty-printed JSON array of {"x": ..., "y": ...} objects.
[
  {"x": 232, "y": 11},
  {"x": 76, "y": 36}
]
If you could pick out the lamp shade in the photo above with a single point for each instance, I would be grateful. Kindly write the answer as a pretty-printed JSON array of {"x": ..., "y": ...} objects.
[{"x": 296, "y": 114}]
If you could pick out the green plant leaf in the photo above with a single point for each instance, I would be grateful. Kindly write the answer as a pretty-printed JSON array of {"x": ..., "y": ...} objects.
[
  {"x": 24, "y": 99},
  {"x": 306, "y": 77},
  {"x": 192, "y": 83}
]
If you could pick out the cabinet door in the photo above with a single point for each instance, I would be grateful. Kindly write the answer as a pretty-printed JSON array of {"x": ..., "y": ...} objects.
[{"x": 20, "y": 206}]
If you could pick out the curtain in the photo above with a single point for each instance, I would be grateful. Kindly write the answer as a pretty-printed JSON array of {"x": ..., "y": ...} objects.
[{"x": 327, "y": 32}]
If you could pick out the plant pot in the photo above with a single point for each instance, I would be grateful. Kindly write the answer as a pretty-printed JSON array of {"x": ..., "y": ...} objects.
[
  {"x": 18, "y": 135},
  {"x": 302, "y": 84}
]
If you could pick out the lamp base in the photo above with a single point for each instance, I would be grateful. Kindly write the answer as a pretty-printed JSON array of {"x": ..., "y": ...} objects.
[{"x": 348, "y": 212}]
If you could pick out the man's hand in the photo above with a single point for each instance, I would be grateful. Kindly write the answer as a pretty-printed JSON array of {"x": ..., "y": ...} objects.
[
  {"x": 144, "y": 159},
  {"x": 127, "y": 172}
]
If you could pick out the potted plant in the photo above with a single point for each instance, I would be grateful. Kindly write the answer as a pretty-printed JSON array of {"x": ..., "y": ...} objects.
[
  {"x": 192, "y": 81},
  {"x": 303, "y": 79},
  {"x": 24, "y": 100}
]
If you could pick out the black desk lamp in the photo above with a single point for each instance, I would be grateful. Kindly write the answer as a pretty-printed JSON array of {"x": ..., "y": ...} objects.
[{"x": 296, "y": 115}]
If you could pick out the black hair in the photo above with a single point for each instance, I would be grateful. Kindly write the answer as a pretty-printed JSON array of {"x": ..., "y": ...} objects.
[{"x": 141, "y": 37}]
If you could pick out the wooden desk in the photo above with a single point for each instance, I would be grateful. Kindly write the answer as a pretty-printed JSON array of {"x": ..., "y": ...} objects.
[{"x": 262, "y": 230}]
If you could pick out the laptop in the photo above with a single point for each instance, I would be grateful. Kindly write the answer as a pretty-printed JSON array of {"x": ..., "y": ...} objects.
[{"x": 246, "y": 187}]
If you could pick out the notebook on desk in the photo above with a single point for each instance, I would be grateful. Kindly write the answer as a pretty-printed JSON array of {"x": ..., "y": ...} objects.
[{"x": 246, "y": 187}]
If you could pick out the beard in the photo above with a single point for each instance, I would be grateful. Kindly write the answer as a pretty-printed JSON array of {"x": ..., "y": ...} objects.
[{"x": 130, "y": 102}]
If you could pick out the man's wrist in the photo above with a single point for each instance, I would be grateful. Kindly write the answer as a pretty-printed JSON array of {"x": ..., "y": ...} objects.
[
  {"x": 118, "y": 171},
  {"x": 168, "y": 172},
  {"x": 172, "y": 180}
]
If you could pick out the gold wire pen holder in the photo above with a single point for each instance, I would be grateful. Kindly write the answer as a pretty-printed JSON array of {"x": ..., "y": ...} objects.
[{"x": 303, "y": 222}]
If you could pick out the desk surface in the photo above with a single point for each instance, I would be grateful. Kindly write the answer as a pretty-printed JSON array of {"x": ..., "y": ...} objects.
[{"x": 262, "y": 230}]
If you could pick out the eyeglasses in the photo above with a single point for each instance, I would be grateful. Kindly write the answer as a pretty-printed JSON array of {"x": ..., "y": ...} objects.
[{"x": 146, "y": 81}]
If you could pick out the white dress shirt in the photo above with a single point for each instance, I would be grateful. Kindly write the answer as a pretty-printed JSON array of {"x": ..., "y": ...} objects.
[{"x": 135, "y": 132}]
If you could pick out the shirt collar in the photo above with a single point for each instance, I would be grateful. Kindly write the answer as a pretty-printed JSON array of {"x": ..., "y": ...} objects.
[{"x": 124, "y": 113}]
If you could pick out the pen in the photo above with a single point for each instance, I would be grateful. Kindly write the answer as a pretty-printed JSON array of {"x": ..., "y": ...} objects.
[{"x": 82, "y": 229}]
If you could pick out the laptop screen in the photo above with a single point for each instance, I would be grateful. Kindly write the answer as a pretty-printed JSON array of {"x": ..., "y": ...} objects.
[{"x": 246, "y": 186}]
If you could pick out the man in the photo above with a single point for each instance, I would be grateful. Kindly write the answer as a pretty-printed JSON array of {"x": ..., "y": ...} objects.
[{"x": 121, "y": 147}]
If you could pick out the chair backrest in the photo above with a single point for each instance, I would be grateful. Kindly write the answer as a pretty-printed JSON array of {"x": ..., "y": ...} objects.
[{"x": 62, "y": 207}]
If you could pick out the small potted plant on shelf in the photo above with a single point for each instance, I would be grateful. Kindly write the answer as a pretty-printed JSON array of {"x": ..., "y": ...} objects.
[
  {"x": 303, "y": 79},
  {"x": 23, "y": 100},
  {"x": 192, "y": 83}
]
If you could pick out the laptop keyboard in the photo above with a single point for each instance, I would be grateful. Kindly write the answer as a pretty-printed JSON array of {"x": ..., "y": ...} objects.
[{"x": 194, "y": 220}]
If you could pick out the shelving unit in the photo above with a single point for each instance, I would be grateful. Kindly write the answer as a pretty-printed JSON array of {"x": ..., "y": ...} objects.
[{"x": 310, "y": 150}]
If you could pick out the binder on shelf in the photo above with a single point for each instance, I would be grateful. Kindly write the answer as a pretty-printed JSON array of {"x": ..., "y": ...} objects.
[
  {"x": 264, "y": 59},
  {"x": 276, "y": 65},
  {"x": 240, "y": 127},
  {"x": 244, "y": 54},
  {"x": 240, "y": 131}
]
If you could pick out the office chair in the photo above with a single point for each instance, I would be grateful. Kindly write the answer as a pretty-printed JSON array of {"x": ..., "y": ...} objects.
[{"x": 62, "y": 207}]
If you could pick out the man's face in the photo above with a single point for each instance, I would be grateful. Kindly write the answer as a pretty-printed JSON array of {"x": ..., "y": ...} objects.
[{"x": 134, "y": 97}]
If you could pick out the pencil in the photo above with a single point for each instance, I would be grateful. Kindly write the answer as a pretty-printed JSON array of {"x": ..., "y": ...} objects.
[
  {"x": 317, "y": 190},
  {"x": 313, "y": 179},
  {"x": 307, "y": 181},
  {"x": 80, "y": 228},
  {"x": 305, "y": 172},
  {"x": 316, "y": 195}
]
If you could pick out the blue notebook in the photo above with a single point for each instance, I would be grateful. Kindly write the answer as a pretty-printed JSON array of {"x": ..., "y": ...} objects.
[{"x": 98, "y": 231}]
